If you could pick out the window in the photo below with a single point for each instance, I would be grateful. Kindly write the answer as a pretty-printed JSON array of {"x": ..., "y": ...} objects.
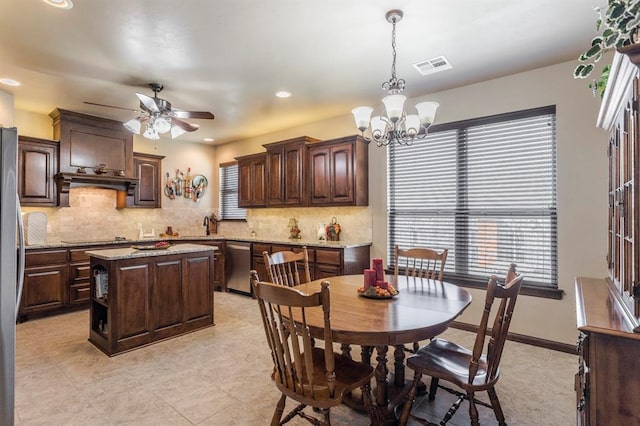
[
  {"x": 486, "y": 190},
  {"x": 229, "y": 192}
]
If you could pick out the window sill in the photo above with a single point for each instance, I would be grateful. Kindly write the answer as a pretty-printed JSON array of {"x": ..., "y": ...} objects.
[
  {"x": 525, "y": 290},
  {"x": 232, "y": 220}
]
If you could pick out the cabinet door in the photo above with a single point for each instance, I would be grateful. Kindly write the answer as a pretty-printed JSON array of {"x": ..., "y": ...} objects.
[
  {"x": 132, "y": 312},
  {"x": 320, "y": 175},
  {"x": 342, "y": 183},
  {"x": 37, "y": 164},
  {"x": 293, "y": 174},
  {"x": 167, "y": 297},
  {"x": 45, "y": 289},
  {"x": 197, "y": 285},
  {"x": 251, "y": 181},
  {"x": 275, "y": 178},
  {"x": 148, "y": 170}
]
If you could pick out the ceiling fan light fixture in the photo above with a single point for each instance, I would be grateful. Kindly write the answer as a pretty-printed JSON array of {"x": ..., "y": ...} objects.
[
  {"x": 150, "y": 133},
  {"x": 60, "y": 4},
  {"x": 162, "y": 124},
  {"x": 177, "y": 131},
  {"x": 133, "y": 125}
]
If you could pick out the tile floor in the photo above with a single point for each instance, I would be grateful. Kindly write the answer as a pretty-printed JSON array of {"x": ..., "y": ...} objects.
[{"x": 221, "y": 376}]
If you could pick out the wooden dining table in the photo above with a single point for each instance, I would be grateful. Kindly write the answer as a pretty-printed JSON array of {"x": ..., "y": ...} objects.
[{"x": 423, "y": 309}]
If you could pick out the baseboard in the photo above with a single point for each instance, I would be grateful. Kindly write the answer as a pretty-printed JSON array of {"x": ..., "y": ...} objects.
[{"x": 521, "y": 338}]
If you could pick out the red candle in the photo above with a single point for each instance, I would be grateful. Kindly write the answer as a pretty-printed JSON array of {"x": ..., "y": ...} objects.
[
  {"x": 369, "y": 278},
  {"x": 376, "y": 264},
  {"x": 382, "y": 284}
]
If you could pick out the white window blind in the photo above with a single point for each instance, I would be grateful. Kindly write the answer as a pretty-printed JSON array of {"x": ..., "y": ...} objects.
[
  {"x": 486, "y": 190},
  {"x": 229, "y": 193}
]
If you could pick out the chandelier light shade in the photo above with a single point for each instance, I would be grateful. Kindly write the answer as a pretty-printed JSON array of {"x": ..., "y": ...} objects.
[{"x": 395, "y": 126}]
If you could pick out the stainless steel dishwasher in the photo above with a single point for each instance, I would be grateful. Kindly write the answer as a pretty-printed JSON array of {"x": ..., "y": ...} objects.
[{"x": 238, "y": 266}]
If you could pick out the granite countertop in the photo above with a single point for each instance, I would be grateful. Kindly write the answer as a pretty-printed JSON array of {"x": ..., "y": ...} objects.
[
  {"x": 302, "y": 242},
  {"x": 130, "y": 253},
  {"x": 217, "y": 237}
]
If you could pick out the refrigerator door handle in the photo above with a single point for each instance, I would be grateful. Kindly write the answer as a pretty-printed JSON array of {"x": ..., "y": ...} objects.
[{"x": 21, "y": 255}]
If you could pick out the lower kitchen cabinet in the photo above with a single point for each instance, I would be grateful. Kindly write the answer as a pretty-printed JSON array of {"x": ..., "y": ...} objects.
[
  {"x": 149, "y": 299},
  {"x": 324, "y": 262},
  {"x": 45, "y": 281}
]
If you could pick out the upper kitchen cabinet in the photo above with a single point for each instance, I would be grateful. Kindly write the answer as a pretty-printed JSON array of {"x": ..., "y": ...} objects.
[
  {"x": 339, "y": 172},
  {"x": 252, "y": 180},
  {"x": 37, "y": 164},
  {"x": 286, "y": 160},
  {"x": 148, "y": 192},
  {"x": 93, "y": 151}
]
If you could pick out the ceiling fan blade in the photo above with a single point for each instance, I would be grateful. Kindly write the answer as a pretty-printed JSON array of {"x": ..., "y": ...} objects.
[
  {"x": 193, "y": 114},
  {"x": 188, "y": 127},
  {"x": 148, "y": 102},
  {"x": 111, "y": 106}
]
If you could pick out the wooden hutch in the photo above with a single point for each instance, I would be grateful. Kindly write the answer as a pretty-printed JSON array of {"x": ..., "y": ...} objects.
[{"x": 608, "y": 382}]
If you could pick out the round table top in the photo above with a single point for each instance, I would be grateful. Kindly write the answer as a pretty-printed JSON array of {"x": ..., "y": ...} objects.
[{"x": 423, "y": 309}]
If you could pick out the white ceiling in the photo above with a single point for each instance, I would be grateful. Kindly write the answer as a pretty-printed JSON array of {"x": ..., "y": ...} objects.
[{"x": 230, "y": 56}]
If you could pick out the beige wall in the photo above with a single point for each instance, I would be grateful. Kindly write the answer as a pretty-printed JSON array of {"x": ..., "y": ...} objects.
[{"x": 582, "y": 180}]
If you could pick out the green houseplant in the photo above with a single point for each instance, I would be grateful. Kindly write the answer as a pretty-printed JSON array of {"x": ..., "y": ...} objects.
[{"x": 618, "y": 27}]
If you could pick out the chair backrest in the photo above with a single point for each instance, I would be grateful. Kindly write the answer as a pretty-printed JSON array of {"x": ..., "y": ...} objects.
[
  {"x": 420, "y": 262},
  {"x": 284, "y": 267},
  {"x": 507, "y": 293},
  {"x": 290, "y": 341}
]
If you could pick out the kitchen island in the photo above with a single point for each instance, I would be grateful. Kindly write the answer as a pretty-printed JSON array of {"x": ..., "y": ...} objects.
[{"x": 142, "y": 295}]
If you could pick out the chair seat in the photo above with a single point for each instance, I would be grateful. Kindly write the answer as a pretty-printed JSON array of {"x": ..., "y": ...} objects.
[
  {"x": 349, "y": 376},
  {"x": 448, "y": 361}
]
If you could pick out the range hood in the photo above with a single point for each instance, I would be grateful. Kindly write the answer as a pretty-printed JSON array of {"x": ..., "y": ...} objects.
[
  {"x": 94, "y": 151},
  {"x": 66, "y": 181}
]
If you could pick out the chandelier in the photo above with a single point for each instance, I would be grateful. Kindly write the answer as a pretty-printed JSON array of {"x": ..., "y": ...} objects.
[{"x": 396, "y": 126}]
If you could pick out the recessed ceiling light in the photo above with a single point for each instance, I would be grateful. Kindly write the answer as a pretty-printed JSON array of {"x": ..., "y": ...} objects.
[
  {"x": 61, "y": 4},
  {"x": 283, "y": 94},
  {"x": 208, "y": 139},
  {"x": 10, "y": 82}
]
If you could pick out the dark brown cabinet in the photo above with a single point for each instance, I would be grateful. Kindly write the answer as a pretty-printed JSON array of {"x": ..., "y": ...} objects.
[
  {"x": 150, "y": 299},
  {"x": 148, "y": 192},
  {"x": 45, "y": 281},
  {"x": 252, "y": 180},
  {"x": 37, "y": 165},
  {"x": 323, "y": 262},
  {"x": 286, "y": 165},
  {"x": 339, "y": 172}
]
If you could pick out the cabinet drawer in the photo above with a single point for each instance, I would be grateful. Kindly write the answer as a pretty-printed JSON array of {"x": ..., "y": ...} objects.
[
  {"x": 79, "y": 293},
  {"x": 80, "y": 255},
  {"x": 331, "y": 257},
  {"x": 45, "y": 258},
  {"x": 258, "y": 248},
  {"x": 79, "y": 272},
  {"x": 326, "y": 271}
]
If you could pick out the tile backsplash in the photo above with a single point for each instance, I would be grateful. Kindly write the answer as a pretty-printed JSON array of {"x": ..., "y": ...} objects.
[{"x": 93, "y": 216}]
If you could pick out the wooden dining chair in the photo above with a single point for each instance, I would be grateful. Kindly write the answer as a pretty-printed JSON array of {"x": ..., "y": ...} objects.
[
  {"x": 284, "y": 267},
  {"x": 314, "y": 377},
  {"x": 419, "y": 263},
  {"x": 469, "y": 370}
]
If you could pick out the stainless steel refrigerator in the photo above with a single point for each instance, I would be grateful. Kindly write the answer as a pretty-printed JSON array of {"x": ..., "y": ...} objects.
[{"x": 11, "y": 269}]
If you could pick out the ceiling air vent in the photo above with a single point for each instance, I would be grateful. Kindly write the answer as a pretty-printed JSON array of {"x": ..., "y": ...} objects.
[{"x": 433, "y": 65}]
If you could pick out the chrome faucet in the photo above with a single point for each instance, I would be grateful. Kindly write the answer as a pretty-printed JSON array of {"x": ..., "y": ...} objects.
[{"x": 206, "y": 223}]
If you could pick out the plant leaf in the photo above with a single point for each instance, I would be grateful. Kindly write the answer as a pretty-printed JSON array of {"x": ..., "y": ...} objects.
[
  {"x": 595, "y": 49},
  {"x": 577, "y": 72},
  {"x": 610, "y": 39},
  {"x": 596, "y": 41},
  {"x": 616, "y": 9}
]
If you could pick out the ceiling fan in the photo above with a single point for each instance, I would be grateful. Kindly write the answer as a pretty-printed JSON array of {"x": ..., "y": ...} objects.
[{"x": 158, "y": 116}]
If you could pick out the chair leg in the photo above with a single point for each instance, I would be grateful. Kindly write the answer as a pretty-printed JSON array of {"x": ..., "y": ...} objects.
[
  {"x": 416, "y": 346},
  {"x": 367, "y": 399},
  {"x": 495, "y": 403},
  {"x": 277, "y": 414},
  {"x": 433, "y": 387},
  {"x": 473, "y": 410},
  {"x": 406, "y": 410}
]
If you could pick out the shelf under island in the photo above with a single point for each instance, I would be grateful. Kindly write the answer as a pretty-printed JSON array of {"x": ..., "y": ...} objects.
[{"x": 141, "y": 296}]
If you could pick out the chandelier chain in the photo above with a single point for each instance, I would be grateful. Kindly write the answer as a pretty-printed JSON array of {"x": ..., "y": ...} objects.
[{"x": 393, "y": 48}]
